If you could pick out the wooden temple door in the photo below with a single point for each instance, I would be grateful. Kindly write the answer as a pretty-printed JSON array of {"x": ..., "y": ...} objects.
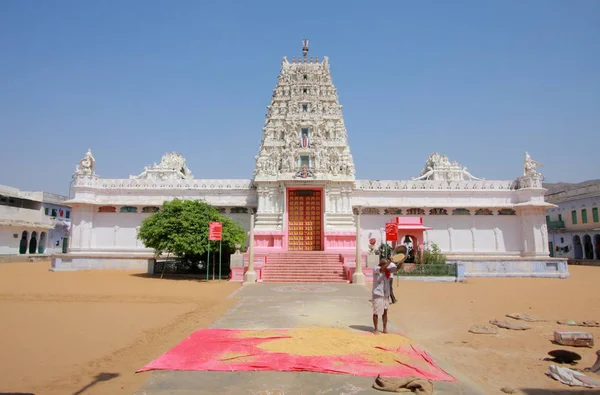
[{"x": 304, "y": 220}]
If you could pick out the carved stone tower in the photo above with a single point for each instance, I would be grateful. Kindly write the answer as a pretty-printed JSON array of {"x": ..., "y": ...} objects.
[{"x": 304, "y": 146}]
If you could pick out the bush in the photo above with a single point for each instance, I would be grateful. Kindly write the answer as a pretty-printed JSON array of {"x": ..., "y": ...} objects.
[{"x": 432, "y": 255}]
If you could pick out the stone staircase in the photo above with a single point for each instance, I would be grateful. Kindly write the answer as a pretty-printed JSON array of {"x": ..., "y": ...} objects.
[{"x": 303, "y": 267}]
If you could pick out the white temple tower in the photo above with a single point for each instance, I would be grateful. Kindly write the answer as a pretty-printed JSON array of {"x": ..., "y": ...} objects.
[{"x": 304, "y": 171}]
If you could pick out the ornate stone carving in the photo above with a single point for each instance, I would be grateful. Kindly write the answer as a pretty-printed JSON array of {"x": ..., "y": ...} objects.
[
  {"x": 443, "y": 185},
  {"x": 438, "y": 167},
  {"x": 171, "y": 167},
  {"x": 87, "y": 165},
  {"x": 304, "y": 126},
  {"x": 531, "y": 178},
  {"x": 529, "y": 166}
]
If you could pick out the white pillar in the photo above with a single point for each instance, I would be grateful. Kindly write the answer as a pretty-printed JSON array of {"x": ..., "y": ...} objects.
[
  {"x": 250, "y": 275},
  {"x": 358, "y": 277}
]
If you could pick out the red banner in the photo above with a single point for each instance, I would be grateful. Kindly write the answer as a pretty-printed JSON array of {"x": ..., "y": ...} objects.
[
  {"x": 391, "y": 232},
  {"x": 215, "y": 231}
]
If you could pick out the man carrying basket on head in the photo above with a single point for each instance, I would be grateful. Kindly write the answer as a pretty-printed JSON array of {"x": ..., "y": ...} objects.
[{"x": 382, "y": 276}]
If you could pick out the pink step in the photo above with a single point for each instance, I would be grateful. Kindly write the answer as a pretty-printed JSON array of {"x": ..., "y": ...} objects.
[{"x": 304, "y": 266}]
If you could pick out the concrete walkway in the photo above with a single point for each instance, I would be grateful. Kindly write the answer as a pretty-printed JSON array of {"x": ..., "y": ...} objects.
[{"x": 265, "y": 306}]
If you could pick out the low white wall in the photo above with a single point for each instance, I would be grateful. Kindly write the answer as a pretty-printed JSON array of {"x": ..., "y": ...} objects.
[
  {"x": 485, "y": 234},
  {"x": 8, "y": 244}
]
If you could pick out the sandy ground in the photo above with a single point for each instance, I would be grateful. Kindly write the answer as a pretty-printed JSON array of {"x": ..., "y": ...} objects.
[
  {"x": 438, "y": 315},
  {"x": 64, "y": 332}
]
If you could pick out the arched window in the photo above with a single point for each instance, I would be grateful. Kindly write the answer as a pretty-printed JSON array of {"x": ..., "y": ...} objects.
[
  {"x": 23, "y": 243},
  {"x": 42, "y": 243},
  {"x": 33, "y": 243}
]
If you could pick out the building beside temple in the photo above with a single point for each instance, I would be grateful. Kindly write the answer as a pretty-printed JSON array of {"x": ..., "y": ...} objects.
[
  {"x": 306, "y": 197},
  {"x": 574, "y": 223},
  {"x": 32, "y": 224}
]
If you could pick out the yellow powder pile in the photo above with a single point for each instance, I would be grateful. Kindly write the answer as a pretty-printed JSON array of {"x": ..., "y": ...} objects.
[{"x": 338, "y": 342}]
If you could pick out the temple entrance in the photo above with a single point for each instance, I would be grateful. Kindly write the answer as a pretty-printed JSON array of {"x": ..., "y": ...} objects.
[{"x": 304, "y": 219}]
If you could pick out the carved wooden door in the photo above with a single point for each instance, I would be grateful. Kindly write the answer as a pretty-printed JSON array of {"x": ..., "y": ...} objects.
[{"x": 304, "y": 220}]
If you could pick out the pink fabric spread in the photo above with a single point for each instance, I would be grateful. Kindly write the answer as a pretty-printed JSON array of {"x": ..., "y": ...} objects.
[{"x": 205, "y": 349}]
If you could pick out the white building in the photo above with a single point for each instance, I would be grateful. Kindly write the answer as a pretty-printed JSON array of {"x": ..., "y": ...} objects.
[
  {"x": 306, "y": 196},
  {"x": 574, "y": 225},
  {"x": 33, "y": 223}
]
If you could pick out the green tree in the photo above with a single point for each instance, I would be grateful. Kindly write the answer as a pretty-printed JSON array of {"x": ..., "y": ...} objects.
[{"x": 181, "y": 229}]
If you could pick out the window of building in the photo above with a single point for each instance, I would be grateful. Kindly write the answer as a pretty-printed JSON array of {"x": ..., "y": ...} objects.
[
  {"x": 595, "y": 214},
  {"x": 46, "y": 210},
  {"x": 68, "y": 214},
  {"x": 560, "y": 217},
  {"x": 305, "y": 108},
  {"x": 128, "y": 209},
  {"x": 305, "y": 91},
  {"x": 305, "y": 76},
  {"x": 54, "y": 213},
  {"x": 562, "y": 239},
  {"x": 574, "y": 217},
  {"x": 547, "y": 218},
  {"x": 584, "y": 216},
  {"x": 305, "y": 160}
]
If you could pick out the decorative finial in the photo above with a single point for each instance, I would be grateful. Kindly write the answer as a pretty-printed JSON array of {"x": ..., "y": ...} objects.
[{"x": 304, "y": 47}]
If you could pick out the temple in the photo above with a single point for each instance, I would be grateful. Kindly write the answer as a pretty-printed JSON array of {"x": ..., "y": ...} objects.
[{"x": 307, "y": 201}]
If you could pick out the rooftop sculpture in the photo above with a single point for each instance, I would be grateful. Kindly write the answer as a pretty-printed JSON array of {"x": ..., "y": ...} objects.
[{"x": 439, "y": 168}]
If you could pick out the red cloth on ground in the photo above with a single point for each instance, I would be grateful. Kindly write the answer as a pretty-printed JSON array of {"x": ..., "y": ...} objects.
[{"x": 226, "y": 350}]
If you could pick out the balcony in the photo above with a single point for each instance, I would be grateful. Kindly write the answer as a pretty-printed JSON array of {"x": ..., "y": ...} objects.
[{"x": 556, "y": 224}]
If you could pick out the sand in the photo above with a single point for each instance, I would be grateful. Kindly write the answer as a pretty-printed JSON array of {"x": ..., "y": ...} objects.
[
  {"x": 61, "y": 332},
  {"x": 438, "y": 316}
]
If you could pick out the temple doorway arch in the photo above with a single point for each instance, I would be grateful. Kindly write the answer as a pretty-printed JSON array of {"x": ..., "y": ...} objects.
[
  {"x": 577, "y": 247},
  {"x": 23, "y": 243},
  {"x": 42, "y": 243},
  {"x": 597, "y": 244},
  {"x": 33, "y": 243},
  {"x": 588, "y": 247}
]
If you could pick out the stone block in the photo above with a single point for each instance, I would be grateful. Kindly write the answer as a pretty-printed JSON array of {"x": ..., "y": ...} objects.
[{"x": 575, "y": 339}]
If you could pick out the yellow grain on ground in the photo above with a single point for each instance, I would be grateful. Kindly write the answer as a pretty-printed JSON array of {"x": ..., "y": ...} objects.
[
  {"x": 236, "y": 357},
  {"x": 261, "y": 334},
  {"x": 337, "y": 342}
]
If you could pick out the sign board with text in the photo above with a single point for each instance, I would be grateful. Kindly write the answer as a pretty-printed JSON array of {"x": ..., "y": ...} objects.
[
  {"x": 215, "y": 231},
  {"x": 391, "y": 232}
]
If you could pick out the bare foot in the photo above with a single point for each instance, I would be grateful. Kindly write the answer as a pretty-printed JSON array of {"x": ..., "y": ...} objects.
[
  {"x": 384, "y": 331},
  {"x": 375, "y": 331}
]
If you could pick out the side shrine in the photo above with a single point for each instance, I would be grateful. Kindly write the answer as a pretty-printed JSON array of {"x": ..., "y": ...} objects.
[{"x": 307, "y": 201}]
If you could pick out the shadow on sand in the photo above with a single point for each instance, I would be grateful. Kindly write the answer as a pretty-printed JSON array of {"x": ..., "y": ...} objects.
[
  {"x": 364, "y": 328},
  {"x": 98, "y": 379}
]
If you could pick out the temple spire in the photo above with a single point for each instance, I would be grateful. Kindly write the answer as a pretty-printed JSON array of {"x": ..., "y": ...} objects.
[{"x": 304, "y": 47}]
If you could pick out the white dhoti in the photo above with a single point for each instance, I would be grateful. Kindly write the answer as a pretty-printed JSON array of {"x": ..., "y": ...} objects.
[{"x": 380, "y": 305}]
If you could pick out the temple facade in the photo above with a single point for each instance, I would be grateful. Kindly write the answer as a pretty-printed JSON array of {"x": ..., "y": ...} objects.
[{"x": 305, "y": 196}]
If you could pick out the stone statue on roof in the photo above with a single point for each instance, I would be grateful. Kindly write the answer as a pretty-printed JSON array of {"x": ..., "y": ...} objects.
[
  {"x": 439, "y": 168},
  {"x": 86, "y": 166}
]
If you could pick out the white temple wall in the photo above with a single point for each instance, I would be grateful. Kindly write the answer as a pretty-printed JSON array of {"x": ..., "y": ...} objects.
[{"x": 458, "y": 234}]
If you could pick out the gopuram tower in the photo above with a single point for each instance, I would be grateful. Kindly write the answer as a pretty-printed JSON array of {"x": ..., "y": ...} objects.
[{"x": 304, "y": 171}]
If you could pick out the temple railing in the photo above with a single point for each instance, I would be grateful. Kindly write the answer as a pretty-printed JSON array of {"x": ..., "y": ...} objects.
[
  {"x": 107, "y": 183},
  {"x": 401, "y": 185}
]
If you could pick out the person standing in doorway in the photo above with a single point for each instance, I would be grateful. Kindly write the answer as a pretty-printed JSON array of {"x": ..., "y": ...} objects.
[{"x": 381, "y": 292}]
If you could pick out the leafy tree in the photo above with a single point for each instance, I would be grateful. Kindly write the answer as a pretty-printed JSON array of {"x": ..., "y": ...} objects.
[{"x": 181, "y": 229}]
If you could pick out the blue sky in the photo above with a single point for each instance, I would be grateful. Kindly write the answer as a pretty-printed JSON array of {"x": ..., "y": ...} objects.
[{"x": 481, "y": 81}]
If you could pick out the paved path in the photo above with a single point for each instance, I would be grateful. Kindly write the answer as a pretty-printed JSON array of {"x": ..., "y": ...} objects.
[{"x": 265, "y": 306}]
